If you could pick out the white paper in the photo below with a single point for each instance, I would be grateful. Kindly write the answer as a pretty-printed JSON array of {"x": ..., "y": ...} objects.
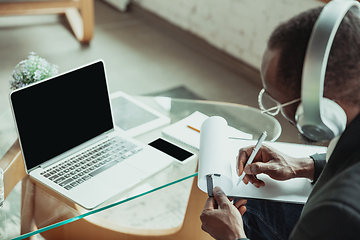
[
  {"x": 214, "y": 154},
  {"x": 218, "y": 155},
  {"x": 182, "y": 133}
]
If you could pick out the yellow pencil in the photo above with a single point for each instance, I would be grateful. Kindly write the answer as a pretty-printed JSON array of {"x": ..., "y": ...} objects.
[{"x": 195, "y": 129}]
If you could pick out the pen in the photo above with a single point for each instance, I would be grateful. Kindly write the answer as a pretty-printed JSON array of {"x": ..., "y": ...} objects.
[{"x": 253, "y": 154}]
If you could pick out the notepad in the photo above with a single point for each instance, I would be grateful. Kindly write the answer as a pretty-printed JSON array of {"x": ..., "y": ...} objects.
[
  {"x": 218, "y": 155},
  {"x": 180, "y": 131},
  {"x": 296, "y": 190}
]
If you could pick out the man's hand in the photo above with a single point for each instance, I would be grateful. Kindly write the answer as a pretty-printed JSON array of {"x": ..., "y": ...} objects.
[
  {"x": 277, "y": 165},
  {"x": 221, "y": 219}
]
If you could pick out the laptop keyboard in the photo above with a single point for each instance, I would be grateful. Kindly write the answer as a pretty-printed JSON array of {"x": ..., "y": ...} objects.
[{"x": 88, "y": 164}]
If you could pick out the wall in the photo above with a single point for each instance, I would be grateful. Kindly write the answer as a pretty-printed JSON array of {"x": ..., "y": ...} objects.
[{"x": 238, "y": 27}]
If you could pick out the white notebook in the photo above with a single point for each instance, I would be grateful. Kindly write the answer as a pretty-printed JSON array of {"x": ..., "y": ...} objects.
[
  {"x": 218, "y": 155},
  {"x": 181, "y": 132}
]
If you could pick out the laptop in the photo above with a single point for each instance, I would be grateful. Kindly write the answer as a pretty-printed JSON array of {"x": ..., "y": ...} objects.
[{"x": 69, "y": 140}]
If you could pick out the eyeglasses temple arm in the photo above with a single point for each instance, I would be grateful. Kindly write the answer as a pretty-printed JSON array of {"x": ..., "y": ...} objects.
[{"x": 281, "y": 105}]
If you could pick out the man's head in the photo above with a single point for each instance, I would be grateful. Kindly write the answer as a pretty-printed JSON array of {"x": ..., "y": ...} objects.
[{"x": 283, "y": 61}]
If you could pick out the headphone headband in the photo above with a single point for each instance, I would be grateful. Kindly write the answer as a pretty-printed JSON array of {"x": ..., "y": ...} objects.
[{"x": 315, "y": 64}]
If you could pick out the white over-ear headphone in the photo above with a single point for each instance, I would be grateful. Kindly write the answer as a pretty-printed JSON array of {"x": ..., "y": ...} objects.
[{"x": 319, "y": 118}]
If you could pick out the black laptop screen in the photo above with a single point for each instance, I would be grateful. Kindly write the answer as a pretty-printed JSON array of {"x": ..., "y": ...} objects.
[{"x": 59, "y": 114}]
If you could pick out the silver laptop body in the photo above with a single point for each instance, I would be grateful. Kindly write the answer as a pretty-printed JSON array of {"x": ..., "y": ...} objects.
[{"x": 70, "y": 143}]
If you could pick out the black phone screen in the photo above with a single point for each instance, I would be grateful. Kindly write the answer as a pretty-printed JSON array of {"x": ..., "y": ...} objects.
[{"x": 171, "y": 149}]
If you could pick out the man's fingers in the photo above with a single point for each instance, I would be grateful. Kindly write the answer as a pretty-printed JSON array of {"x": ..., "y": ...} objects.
[
  {"x": 269, "y": 168},
  {"x": 210, "y": 204},
  {"x": 240, "y": 202},
  {"x": 246, "y": 179},
  {"x": 255, "y": 181},
  {"x": 242, "y": 210},
  {"x": 240, "y": 205},
  {"x": 220, "y": 197},
  {"x": 259, "y": 167},
  {"x": 243, "y": 156}
]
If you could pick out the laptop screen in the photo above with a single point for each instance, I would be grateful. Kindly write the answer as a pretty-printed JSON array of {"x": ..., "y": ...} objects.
[{"x": 61, "y": 113}]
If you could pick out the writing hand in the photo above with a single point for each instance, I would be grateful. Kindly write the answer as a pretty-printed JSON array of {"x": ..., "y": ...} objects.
[
  {"x": 221, "y": 219},
  {"x": 277, "y": 165}
]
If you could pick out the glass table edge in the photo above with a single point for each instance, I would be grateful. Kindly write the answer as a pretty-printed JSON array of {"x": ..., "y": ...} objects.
[{"x": 92, "y": 212}]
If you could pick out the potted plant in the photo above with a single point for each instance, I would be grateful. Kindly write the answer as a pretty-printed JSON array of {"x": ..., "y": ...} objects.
[{"x": 31, "y": 70}]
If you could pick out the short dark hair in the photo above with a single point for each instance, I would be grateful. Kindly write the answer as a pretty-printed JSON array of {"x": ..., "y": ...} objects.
[{"x": 342, "y": 78}]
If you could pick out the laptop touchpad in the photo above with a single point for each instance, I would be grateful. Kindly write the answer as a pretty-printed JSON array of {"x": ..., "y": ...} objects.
[{"x": 122, "y": 176}]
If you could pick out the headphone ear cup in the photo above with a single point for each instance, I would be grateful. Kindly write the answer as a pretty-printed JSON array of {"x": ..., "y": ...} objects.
[
  {"x": 333, "y": 121},
  {"x": 299, "y": 118},
  {"x": 333, "y": 116}
]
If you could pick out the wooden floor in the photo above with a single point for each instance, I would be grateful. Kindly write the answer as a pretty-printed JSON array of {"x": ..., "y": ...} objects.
[{"x": 140, "y": 56}]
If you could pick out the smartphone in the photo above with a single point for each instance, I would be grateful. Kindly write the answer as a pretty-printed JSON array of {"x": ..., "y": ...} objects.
[{"x": 178, "y": 153}]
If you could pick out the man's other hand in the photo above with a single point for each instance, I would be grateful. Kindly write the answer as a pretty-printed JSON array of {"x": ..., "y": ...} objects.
[{"x": 221, "y": 219}]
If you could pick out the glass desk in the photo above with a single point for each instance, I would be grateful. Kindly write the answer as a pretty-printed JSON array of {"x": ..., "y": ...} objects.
[{"x": 155, "y": 207}]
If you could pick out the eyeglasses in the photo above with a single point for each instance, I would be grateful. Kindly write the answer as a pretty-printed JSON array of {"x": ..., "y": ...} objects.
[{"x": 269, "y": 105}]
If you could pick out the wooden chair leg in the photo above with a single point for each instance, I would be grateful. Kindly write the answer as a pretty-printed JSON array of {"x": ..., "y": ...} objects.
[
  {"x": 14, "y": 169},
  {"x": 82, "y": 20},
  {"x": 191, "y": 228},
  {"x": 27, "y": 206}
]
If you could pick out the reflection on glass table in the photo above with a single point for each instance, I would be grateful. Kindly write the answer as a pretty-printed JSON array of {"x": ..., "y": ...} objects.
[{"x": 166, "y": 205}]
